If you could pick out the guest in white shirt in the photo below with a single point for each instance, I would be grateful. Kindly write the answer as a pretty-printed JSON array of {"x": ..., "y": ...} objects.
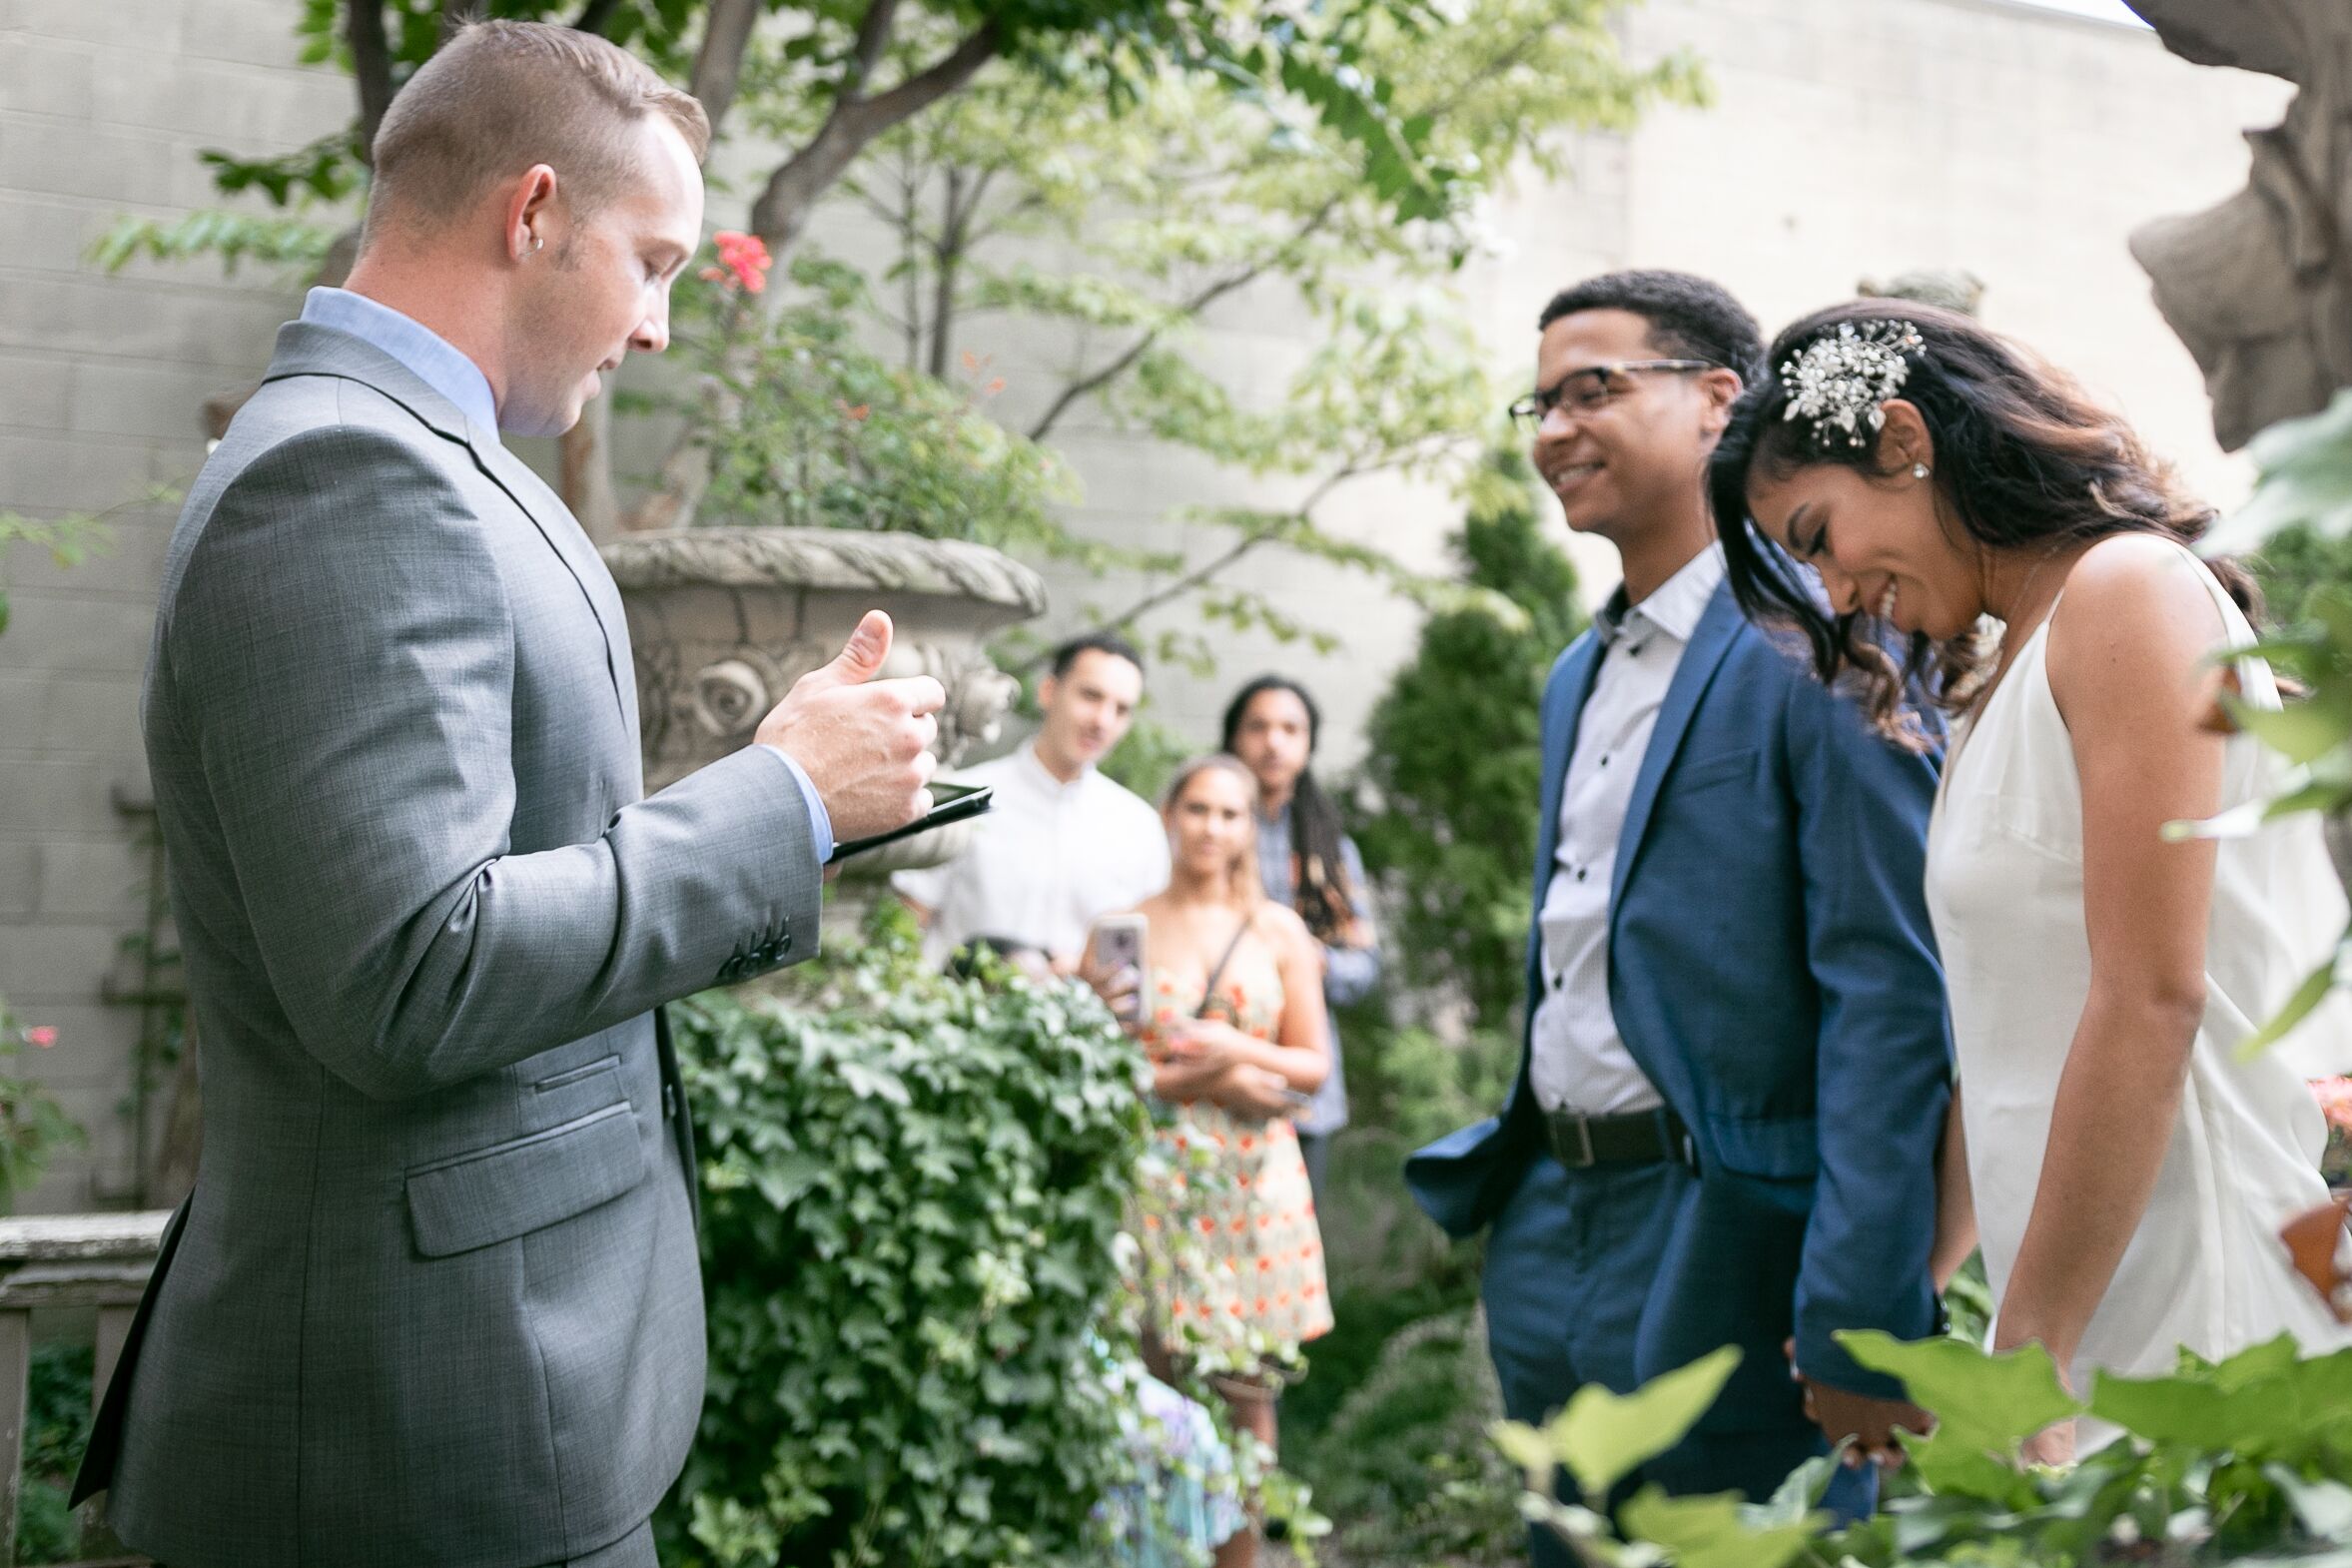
[{"x": 1064, "y": 845}]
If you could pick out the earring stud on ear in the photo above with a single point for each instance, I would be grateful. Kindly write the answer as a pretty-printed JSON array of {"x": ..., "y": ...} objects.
[{"x": 1918, "y": 470}]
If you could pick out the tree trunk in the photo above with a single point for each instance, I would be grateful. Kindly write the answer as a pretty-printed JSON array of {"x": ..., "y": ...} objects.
[
  {"x": 370, "y": 65},
  {"x": 586, "y": 480},
  {"x": 783, "y": 208},
  {"x": 718, "y": 64}
]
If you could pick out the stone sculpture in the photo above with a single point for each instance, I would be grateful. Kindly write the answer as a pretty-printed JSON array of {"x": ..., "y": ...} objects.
[
  {"x": 2259, "y": 286},
  {"x": 724, "y": 619}
]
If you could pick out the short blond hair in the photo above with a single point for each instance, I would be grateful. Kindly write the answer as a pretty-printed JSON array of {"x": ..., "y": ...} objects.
[{"x": 500, "y": 97}]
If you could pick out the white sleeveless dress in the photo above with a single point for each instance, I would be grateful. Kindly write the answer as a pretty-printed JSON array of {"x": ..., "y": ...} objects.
[{"x": 2206, "y": 1269}]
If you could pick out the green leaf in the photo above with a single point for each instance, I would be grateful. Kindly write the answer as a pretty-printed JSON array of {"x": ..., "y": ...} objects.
[
  {"x": 1711, "y": 1532},
  {"x": 1794, "y": 1498},
  {"x": 1979, "y": 1400},
  {"x": 2259, "y": 1404},
  {"x": 2307, "y": 472},
  {"x": 2301, "y": 731},
  {"x": 2321, "y": 795},
  {"x": 783, "y": 1179},
  {"x": 869, "y": 1083},
  {"x": 1602, "y": 1437},
  {"x": 2300, "y": 1005},
  {"x": 1526, "y": 1447}
]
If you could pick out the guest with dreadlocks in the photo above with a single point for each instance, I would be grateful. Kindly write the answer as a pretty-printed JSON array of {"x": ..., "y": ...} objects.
[{"x": 1308, "y": 863}]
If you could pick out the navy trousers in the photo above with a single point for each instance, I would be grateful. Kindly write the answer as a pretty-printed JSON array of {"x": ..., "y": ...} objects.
[{"x": 1569, "y": 1265}]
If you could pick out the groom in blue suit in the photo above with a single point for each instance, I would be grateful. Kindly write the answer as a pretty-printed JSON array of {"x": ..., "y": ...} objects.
[{"x": 1724, "y": 1127}]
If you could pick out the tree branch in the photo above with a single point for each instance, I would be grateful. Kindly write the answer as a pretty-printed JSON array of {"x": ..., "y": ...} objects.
[
  {"x": 370, "y": 65},
  {"x": 718, "y": 63},
  {"x": 1192, "y": 306},
  {"x": 910, "y": 235},
  {"x": 782, "y": 210},
  {"x": 946, "y": 254},
  {"x": 866, "y": 54},
  {"x": 1200, "y": 575}
]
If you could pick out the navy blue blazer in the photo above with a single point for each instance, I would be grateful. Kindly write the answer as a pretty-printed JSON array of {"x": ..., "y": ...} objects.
[{"x": 1773, "y": 971}]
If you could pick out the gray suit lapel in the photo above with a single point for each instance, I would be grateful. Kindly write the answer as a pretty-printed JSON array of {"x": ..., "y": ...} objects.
[
  {"x": 306, "y": 349},
  {"x": 569, "y": 540}
]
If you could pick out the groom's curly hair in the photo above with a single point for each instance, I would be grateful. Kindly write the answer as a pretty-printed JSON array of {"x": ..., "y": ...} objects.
[{"x": 1690, "y": 318}]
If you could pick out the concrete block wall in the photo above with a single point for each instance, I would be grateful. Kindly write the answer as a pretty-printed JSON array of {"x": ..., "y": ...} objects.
[
  {"x": 102, "y": 109},
  {"x": 1850, "y": 138}
]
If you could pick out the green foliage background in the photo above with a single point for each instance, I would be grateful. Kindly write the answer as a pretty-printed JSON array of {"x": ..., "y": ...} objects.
[
  {"x": 2294, "y": 564},
  {"x": 1454, "y": 758}
]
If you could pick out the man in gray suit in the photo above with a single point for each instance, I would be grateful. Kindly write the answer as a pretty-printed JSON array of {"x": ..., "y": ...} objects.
[{"x": 435, "y": 1300}]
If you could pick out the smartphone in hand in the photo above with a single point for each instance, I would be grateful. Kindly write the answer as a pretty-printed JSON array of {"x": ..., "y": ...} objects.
[{"x": 1119, "y": 948}]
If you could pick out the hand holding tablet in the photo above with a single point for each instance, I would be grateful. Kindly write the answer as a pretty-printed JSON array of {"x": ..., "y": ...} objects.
[{"x": 949, "y": 803}]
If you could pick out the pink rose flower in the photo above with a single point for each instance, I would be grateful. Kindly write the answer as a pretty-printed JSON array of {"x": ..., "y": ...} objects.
[
  {"x": 744, "y": 258},
  {"x": 41, "y": 1037}
]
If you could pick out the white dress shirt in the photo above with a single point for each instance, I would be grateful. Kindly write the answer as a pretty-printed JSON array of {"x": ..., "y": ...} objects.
[
  {"x": 1046, "y": 860},
  {"x": 1578, "y": 1059}
]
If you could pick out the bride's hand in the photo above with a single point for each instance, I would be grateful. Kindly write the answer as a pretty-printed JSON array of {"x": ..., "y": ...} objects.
[{"x": 2052, "y": 1445}]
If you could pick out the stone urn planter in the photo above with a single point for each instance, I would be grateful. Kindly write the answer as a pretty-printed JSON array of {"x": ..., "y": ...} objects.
[{"x": 724, "y": 619}]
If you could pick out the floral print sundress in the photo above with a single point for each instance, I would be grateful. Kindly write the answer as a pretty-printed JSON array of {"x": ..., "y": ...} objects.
[{"x": 1259, "y": 1261}]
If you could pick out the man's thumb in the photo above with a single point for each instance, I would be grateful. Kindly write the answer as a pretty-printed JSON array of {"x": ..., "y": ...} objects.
[{"x": 861, "y": 660}]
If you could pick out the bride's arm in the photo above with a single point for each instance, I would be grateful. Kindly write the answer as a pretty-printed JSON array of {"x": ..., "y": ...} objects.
[
  {"x": 1956, "y": 1203},
  {"x": 2125, "y": 657}
]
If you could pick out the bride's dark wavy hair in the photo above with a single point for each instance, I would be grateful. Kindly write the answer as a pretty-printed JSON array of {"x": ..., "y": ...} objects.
[{"x": 2024, "y": 459}]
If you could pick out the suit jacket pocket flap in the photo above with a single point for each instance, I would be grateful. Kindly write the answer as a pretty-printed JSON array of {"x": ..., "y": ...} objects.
[
  {"x": 1787, "y": 1148},
  {"x": 512, "y": 1189}
]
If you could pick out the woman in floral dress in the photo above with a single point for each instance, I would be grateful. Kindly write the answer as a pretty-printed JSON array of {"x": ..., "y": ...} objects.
[{"x": 1233, "y": 1018}]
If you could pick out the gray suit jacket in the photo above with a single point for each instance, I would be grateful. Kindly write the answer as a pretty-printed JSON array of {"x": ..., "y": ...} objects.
[{"x": 434, "y": 1299}]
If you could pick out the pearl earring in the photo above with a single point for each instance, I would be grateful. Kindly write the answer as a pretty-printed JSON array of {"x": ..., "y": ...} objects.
[
  {"x": 536, "y": 241},
  {"x": 1918, "y": 470}
]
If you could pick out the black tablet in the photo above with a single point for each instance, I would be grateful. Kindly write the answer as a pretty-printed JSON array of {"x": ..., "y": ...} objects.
[{"x": 949, "y": 803}]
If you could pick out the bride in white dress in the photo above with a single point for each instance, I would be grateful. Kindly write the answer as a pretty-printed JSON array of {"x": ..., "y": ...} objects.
[{"x": 2127, "y": 1172}]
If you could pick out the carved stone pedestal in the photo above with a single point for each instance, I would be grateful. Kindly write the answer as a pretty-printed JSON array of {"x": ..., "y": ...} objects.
[{"x": 723, "y": 620}]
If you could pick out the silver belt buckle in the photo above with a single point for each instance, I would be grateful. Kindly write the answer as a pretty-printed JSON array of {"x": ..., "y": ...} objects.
[{"x": 1584, "y": 1137}]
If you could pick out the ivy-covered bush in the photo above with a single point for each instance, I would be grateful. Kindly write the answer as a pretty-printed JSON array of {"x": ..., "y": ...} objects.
[
  {"x": 911, "y": 1193},
  {"x": 56, "y": 1430}
]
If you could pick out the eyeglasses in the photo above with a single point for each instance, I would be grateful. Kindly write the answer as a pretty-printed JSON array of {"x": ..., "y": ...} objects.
[{"x": 1586, "y": 389}]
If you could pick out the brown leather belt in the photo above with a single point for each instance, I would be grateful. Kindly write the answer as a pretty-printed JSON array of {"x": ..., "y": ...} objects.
[{"x": 1642, "y": 1137}]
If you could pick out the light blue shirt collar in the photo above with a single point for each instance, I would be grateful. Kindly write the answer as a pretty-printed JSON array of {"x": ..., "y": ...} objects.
[{"x": 431, "y": 357}]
